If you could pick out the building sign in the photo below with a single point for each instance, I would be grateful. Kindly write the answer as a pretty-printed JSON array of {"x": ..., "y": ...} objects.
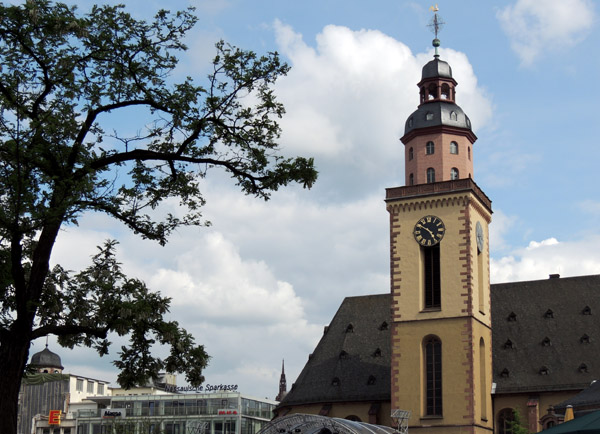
[
  {"x": 54, "y": 417},
  {"x": 227, "y": 412},
  {"x": 200, "y": 389},
  {"x": 112, "y": 413}
]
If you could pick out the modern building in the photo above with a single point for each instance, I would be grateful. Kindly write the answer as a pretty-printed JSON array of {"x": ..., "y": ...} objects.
[
  {"x": 444, "y": 349},
  {"x": 52, "y": 402},
  {"x": 195, "y": 413}
]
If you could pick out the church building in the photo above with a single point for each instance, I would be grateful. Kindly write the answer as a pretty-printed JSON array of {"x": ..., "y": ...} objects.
[{"x": 444, "y": 350}]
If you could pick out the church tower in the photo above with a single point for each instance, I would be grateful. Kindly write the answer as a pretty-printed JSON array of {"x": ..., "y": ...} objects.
[{"x": 439, "y": 251}]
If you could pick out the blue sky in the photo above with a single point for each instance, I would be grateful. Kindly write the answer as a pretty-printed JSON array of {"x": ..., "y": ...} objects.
[{"x": 259, "y": 285}]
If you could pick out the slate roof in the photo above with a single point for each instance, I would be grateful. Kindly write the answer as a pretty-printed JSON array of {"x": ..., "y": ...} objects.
[
  {"x": 553, "y": 326},
  {"x": 588, "y": 398},
  {"x": 348, "y": 352},
  {"x": 545, "y": 336}
]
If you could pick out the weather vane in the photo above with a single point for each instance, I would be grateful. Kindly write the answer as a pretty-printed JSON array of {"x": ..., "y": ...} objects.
[{"x": 436, "y": 24}]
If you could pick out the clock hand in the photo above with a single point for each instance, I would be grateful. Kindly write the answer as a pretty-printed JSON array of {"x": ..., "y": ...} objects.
[{"x": 428, "y": 230}]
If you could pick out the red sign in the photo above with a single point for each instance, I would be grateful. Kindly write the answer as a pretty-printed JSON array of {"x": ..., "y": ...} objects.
[
  {"x": 227, "y": 412},
  {"x": 54, "y": 417}
]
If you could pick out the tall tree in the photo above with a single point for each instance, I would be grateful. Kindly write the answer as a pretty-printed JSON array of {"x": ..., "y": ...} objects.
[{"x": 63, "y": 76}]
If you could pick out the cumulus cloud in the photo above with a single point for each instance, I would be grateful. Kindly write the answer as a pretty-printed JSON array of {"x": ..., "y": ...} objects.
[
  {"x": 549, "y": 256},
  {"x": 535, "y": 27},
  {"x": 347, "y": 99}
]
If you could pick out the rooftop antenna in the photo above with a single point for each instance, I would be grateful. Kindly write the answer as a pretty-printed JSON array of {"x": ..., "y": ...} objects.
[{"x": 436, "y": 24}]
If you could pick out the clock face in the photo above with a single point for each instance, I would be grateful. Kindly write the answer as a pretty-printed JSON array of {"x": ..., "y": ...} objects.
[
  {"x": 479, "y": 236},
  {"x": 429, "y": 231}
]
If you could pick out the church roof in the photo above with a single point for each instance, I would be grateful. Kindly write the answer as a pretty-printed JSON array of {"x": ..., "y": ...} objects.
[
  {"x": 352, "y": 360},
  {"x": 46, "y": 359},
  {"x": 545, "y": 336},
  {"x": 435, "y": 114},
  {"x": 436, "y": 68}
]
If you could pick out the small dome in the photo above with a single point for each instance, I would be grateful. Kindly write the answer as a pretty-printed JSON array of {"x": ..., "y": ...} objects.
[
  {"x": 46, "y": 359},
  {"x": 435, "y": 114},
  {"x": 436, "y": 68}
]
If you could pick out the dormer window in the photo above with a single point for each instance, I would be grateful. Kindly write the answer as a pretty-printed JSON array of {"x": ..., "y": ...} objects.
[
  {"x": 512, "y": 317},
  {"x": 344, "y": 355},
  {"x": 508, "y": 345},
  {"x": 350, "y": 328},
  {"x": 505, "y": 373},
  {"x": 335, "y": 381},
  {"x": 585, "y": 339},
  {"x": 377, "y": 352},
  {"x": 371, "y": 380},
  {"x": 546, "y": 342},
  {"x": 544, "y": 370},
  {"x": 549, "y": 314},
  {"x": 583, "y": 368},
  {"x": 429, "y": 116},
  {"x": 383, "y": 326},
  {"x": 453, "y": 116},
  {"x": 586, "y": 311},
  {"x": 410, "y": 123}
]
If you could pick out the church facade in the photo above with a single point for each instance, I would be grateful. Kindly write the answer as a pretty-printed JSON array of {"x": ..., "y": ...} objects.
[{"x": 454, "y": 353}]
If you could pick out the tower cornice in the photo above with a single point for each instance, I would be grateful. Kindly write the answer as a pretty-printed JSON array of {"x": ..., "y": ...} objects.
[{"x": 438, "y": 188}]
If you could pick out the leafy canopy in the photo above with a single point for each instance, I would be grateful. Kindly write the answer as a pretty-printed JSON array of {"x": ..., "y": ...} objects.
[{"x": 65, "y": 151}]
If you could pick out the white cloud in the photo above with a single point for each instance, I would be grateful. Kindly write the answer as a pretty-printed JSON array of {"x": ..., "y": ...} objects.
[
  {"x": 550, "y": 256},
  {"x": 536, "y": 27},
  {"x": 347, "y": 99}
]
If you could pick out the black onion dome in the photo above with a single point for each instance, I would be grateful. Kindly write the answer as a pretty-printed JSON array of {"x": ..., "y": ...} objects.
[
  {"x": 437, "y": 114},
  {"x": 436, "y": 68},
  {"x": 46, "y": 359}
]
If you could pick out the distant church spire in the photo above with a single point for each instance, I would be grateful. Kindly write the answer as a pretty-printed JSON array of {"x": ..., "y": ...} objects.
[{"x": 282, "y": 383}]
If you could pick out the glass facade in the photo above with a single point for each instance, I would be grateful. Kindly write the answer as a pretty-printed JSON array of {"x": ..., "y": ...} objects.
[{"x": 209, "y": 413}]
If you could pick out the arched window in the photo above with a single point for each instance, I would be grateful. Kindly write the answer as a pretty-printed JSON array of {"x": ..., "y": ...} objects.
[
  {"x": 410, "y": 153},
  {"x": 483, "y": 379},
  {"x": 453, "y": 173},
  {"x": 411, "y": 179},
  {"x": 445, "y": 91},
  {"x": 430, "y": 148},
  {"x": 431, "y": 279},
  {"x": 453, "y": 148},
  {"x": 430, "y": 175},
  {"x": 469, "y": 152},
  {"x": 432, "y": 348},
  {"x": 432, "y": 91},
  {"x": 453, "y": 115},
  {"x": 505, "y": 419}
]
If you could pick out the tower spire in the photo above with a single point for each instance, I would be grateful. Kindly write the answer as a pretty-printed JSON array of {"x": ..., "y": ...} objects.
[
  {"x": 436, "y": 24},
  {"x": 282, "y": 383}
]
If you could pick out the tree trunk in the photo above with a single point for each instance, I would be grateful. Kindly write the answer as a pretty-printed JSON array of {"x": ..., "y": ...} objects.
[{"x": 14, "y": 352}]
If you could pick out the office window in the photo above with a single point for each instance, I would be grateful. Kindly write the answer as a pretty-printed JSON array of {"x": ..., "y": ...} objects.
[
  {"x": 79, "y": 385},
  {"x": 90, "y": 386}
]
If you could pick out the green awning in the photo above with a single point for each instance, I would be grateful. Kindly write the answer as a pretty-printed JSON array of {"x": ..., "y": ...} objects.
[{"x": 590, "y": 423}]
